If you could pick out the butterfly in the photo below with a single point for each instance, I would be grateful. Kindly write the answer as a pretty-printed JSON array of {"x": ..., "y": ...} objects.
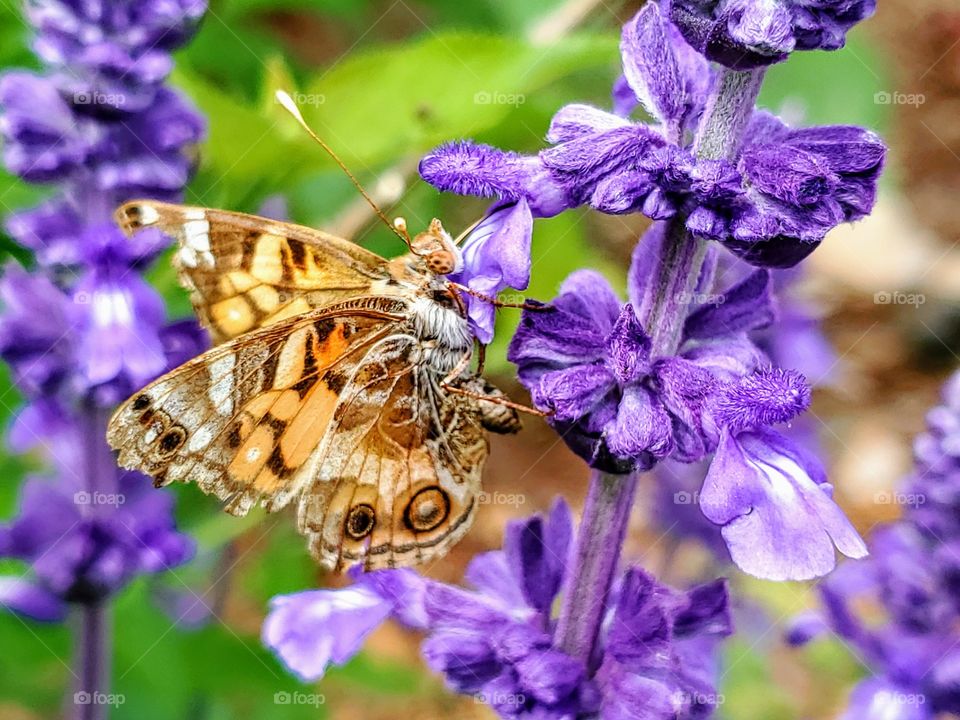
[{"x": 339, "y": 382}]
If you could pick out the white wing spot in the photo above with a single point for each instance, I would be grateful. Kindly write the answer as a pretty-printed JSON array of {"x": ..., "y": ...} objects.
[
  {"x": 252, "y": 454},
  {"x": 148, "y": 215},
  {"x": 200, "y": 439},
  {"x": 196, "y": 236},
  {"x": 221, "y": 389}
]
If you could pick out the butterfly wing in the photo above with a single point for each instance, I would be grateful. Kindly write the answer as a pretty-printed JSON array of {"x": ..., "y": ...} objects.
[
  {"x": 245, "y": 271},
  {"x": 398, "y": 482},
  {"x": 333, "y": 408}
]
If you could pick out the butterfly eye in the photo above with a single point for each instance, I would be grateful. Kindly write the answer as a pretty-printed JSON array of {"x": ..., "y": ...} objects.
[
  {"x": 441, "y": 262},
  {"x": 360, "y": 521}
]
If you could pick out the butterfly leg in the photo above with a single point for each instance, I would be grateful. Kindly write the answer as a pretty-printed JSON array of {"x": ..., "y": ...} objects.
[{"x": 496, "y": 400}]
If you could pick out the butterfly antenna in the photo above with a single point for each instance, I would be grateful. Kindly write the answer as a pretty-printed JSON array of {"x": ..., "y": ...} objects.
[{"x": 399, "y": 227}]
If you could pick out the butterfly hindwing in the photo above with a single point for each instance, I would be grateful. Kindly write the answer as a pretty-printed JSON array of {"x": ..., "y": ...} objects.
[
  {"x": 245, "y": 271},
  {"x": 399, "y": 481}
]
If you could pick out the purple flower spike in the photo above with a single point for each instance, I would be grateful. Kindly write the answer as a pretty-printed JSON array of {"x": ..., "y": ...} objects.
[
  {"x": 496, "y": 255},
  {"x": 467, "y": 168},
  {"x": 744, "y": 34},
  {"x": 117, "y": 53}
]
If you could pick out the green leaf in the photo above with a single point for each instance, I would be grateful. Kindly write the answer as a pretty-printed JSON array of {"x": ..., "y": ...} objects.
[{"x": 444, "y": 87}]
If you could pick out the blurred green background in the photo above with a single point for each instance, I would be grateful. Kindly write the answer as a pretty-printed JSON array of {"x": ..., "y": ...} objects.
[{"x": 383, "y": 81}]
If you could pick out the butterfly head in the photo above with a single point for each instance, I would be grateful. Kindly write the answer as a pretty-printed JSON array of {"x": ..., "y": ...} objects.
[{"x": 437, "y": 249}]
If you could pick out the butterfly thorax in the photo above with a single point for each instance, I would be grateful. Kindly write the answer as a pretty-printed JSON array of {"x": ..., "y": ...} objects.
[{"x": 437, "y": 317}]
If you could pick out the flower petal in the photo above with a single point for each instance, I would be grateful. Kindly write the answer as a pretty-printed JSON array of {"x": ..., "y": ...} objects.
[
  {"x": 311, "y": 630},
  {"x": 31, "y": 600},
  {"x": 650, "y": 66},
  {"x": 777, "y": 516}
]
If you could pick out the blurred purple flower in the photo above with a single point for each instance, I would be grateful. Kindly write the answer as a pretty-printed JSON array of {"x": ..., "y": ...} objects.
[
  {"x": 114, "y": 55},
  {"x": 85, "y": 329},
  {"x": 743, "y": 34},
  {"x": 899, "y": 608},
  {"x": 83, "y": 546}
]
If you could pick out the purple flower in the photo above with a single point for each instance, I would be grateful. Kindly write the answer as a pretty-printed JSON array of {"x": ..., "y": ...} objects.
[
  {"x": 771, "y": 204},
  {"x": 341, "y": 619},
  {"x": 115, "y": 54},
  {"x": 775, "y": 507},
  {"x": 495, "y": 642},
  {"x": 43, "y": 140},
  {"x": 937, "y": 477},
  {"x": 82, "y": 546},
  {"x": 588, "y": 362},
  {"x": 496, "y": 255},
  {"x": 657, "y": 660},
  {"x": 467, "y": 168},
  {"x": 743, "y": 34}
]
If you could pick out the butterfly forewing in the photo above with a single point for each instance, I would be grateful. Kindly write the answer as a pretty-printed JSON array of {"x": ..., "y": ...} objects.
[{"x": 245, "y": 271}]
